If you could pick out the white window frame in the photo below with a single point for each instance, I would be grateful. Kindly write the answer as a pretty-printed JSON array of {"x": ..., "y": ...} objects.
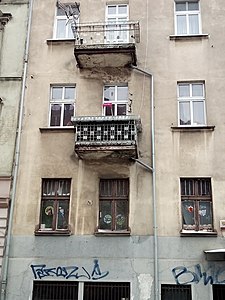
[
  {"x": 116, "y": 16},
  {"x": 67, "y": 27},
  {"x": 187, "y": 13},
  {"x": 191, "y": 100},
  {"x": 116, "y": 102},
  {"x": 61, "y": 102}
]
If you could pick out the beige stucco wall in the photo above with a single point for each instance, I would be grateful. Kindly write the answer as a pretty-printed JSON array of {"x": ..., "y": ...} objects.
[{"x": 178, "y": 154}]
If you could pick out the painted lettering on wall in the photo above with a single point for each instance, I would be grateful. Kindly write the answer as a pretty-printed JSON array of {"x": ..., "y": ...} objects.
[
  {"x": 42, "y": 271},
  {"x": 213, "y": 275}
]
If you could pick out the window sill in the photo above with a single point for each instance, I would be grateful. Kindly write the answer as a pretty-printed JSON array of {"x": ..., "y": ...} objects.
[
  {"x": 192, "y": 233},
  {"x": 52, "y": 233},
  {"x": 60, "y": 41},
  {"x": 189, "y": 37},
  {"x": 57, "y": 129},
  {"x": 101, "y": 232},
  {"x": 192, "y": 128}
]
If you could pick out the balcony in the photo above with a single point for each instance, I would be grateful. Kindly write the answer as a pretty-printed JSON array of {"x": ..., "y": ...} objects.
[
  {"x": 106, "y": 45},
  {"x": 106, "y": 137}
]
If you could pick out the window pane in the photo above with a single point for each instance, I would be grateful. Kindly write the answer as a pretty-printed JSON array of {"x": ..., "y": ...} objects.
[
  {"x": 122, "y": 9},
  {"x": 55, "y": 115},
  {"x": 185, "y": 115},
  {"x": 181, "y": 25},
  {"x": 188, "y": 213},
  {"x": 121, "y": 109},
  {"x": 193, "y": 5},
  {"x": 205, "y": 214},
  {"x": 62, "y": 218},
  {"x": 122, "y": 93},
  {"x": 68, "y": 113},
  {"x": 110, "y": 110},
  {"x": 48, "y": 188},
  {"x": 63, "y": 188},
  {"x": 193, "y": 24},
  {"x": 181, "y": 6},
  {"x": 69, "y": 93},
  {"x": 121, "y": 215},
  {"x": 109, "y": 93},
  {"x": 184, "y": 90},
  {"x": 61, "y": 29},
  {"x": 105, "y": 215},
  {"x": 197, "y": 90},
  {"x": 198, "y": 113},
  {"x": 47, "y": 213},
  {"x": 57, "y": 92},
  {"x": 111, "y": 10},
  {"x": 70, "y": 31}
]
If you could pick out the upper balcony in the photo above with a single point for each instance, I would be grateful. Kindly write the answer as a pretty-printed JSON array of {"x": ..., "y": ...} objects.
[
  {"x": 106, "y": 136},
  {"x": 106, "y": 44}
]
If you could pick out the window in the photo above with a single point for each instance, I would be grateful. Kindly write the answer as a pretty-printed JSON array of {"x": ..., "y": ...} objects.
[
  {"x": 54, "y": 290},
  {"x": 196, "y": 203},
  {"x": 116, "y": 17},
  {"x": 114, "y": 201},
  {"x": 175, "y": 292},
  {"x": 218, "y": 291},
  {"x": 67, "y": 16},
  {"x": 115, "y": 100},
  {"x": 109, "y": 291},
  {"x": 191, "y": 102},
  {"x": 61, "y": 105},
  {"x": 55, "y": 204},
  {"x": 187, "y": 18}
]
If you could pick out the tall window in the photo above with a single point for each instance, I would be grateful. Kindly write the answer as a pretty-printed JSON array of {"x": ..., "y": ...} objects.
[
  {"x": 55, "y": 204},
  {"x": 175, "y": 292},
  {"x": 115, "y": 100},
  {"x": 191, "y": 101},
  {"x": 67, "y": 16},
  {"x": 187, "y": 18},
  {"x": 116, "y": 18},
  {"x": 114, "y": 204},
  {"x": 196, "y": 203},
  {"x": 61, "y": 105}
]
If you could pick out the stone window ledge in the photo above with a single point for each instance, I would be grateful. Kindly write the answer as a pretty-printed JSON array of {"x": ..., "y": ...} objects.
[
  {"x": 193, "y": 233},
  {"x": 192, "y": 128},
  {"x": 189, "y": 37},
  {"x": 60, "y": 41},
  {"x": 100, "y": 232},
  {"x": 56, "y": 129}
]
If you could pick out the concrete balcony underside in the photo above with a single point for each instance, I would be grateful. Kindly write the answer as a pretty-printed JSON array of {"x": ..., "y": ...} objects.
[
  {"x": 110, "y": 137},
  {"x": 118, "y": 55}
]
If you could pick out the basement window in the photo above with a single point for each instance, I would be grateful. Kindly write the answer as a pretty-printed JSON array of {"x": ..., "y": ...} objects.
[{"x": 175, "y": 292}]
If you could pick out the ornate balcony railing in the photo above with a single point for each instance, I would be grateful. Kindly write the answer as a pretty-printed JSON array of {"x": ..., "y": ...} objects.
[
  {"x": 106, "y": 44},
  {"x": 109, "y": 133}
]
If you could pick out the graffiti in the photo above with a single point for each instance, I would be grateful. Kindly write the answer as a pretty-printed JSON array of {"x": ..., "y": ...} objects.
[
  {"x": 41, "y": 271},
  {"x": 214, "y": 275}
]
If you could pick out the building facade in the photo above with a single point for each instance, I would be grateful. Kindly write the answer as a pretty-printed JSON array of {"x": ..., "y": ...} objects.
[
  {"x": 121, "y": 182},
  {"x": 13, "y": 29}
]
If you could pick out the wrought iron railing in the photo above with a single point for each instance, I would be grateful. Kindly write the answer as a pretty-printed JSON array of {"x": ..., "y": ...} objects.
[
  {"x": 107, "y": 33},
  {"x": 108, "y": 130}
]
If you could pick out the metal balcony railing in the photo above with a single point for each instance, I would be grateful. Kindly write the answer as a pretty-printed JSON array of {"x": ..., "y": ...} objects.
[
  {"x": 106, "y": 131},
  {"x": 107, "y": 33}
]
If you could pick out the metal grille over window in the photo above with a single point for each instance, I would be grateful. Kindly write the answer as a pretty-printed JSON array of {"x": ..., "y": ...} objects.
[
  {"x": 55, "y": 290},
  {"x": 196, "y": 198},
  {"x": 175, "y": 292},
  {"x": 218, "y": 291},
  {"x": 55, "y": 204},
  {"x": 109, "y": 291},
  {"x": 114, "y": 204}
]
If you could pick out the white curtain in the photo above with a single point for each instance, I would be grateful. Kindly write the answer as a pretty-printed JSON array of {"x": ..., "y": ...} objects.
[{"x": 193, "y": 24}]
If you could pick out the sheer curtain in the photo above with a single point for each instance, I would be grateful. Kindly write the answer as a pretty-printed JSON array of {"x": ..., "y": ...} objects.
[
  {"x": 181, "y": 24},
  {"x": 193, "y": 24}
]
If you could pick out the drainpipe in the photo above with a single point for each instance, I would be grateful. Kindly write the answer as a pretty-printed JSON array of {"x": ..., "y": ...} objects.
[
  {"x": 5, "y": 263},
  {"x": 152, "y": 169}
]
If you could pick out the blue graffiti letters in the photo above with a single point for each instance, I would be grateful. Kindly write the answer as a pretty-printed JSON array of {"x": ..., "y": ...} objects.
[
  {"x": 41, "y": 271},
  {"x": 212, "y": 276}
]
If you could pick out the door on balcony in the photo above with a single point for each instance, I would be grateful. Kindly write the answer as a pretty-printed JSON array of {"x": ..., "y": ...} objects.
[{"x": 117, "y": 30}]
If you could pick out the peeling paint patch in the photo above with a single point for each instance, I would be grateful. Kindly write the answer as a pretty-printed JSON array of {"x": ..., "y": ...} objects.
[{"x": 145, "y": 286}]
